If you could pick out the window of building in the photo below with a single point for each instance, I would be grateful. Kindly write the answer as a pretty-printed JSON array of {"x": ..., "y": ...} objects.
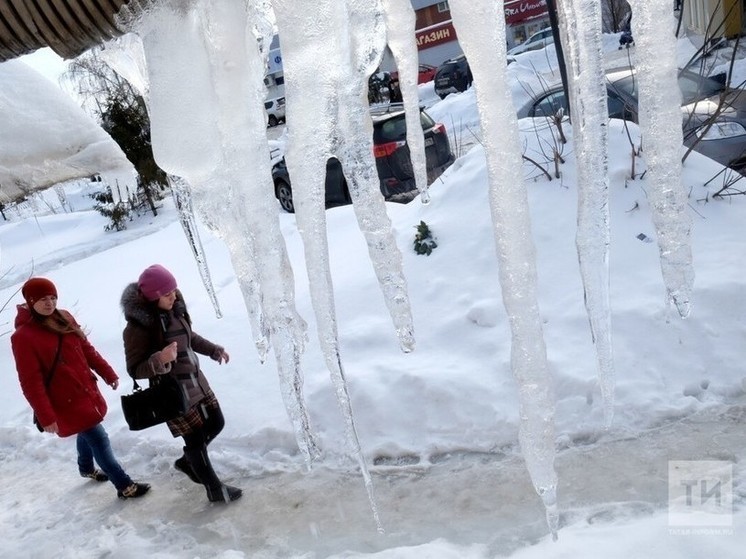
[{"x": 443, "y": 7}]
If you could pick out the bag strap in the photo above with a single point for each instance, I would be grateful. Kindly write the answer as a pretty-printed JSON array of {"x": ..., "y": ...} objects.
[{"x": 48, "y": 380}]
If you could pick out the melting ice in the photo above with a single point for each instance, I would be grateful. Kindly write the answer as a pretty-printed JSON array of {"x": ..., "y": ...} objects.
[
  {"x": 206, "y": 59},
  {"x": 587, "y": 92}
]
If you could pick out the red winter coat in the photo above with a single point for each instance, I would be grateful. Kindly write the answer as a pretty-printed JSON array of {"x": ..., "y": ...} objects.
[{"x": 72, "y": 399}]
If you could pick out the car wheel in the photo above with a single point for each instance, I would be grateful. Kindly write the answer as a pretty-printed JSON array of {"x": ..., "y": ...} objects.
[
  {"x": 285, "y": 195},
  {"x": 272, "y": 120}
]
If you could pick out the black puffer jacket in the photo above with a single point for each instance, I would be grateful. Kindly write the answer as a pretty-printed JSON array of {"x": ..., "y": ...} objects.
[{"x": 149, "y": 329}]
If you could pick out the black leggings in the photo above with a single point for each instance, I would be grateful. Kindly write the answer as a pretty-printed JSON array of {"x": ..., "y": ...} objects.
[{"x": 213, "y": 422}]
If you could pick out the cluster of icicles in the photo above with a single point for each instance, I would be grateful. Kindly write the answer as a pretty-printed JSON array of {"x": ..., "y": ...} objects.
[{"x": 200, "y": 65}]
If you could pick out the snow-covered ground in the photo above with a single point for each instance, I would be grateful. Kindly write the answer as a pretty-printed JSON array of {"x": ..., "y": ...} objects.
[{"x": 438, "y": 426}]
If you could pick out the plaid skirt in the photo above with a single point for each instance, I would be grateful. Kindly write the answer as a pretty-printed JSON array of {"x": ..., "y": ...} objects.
[{"x": 194, "y": 416}]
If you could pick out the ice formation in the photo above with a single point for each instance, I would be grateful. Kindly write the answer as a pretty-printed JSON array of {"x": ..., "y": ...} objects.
[
  {"x": 581, "y": 20},
  {"x": 481, "y": 29},
  {"x": 206, "y": 59},
  {"x": 126, "y": 58},
  {"x": 660, "y": 124},
  {"x": 400, "y": 25}
]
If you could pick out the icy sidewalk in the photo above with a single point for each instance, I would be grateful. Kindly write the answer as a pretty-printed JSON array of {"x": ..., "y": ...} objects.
[{"x": 463, "y": 499}]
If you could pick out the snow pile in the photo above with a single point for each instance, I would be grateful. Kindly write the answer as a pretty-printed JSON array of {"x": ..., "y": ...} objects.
[
  {"x": 439, "y": 425},
  {"x": 47, "y": 138}
]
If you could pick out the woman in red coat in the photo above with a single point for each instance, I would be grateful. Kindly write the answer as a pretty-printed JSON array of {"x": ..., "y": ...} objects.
[{"x": 55, "y": 360}]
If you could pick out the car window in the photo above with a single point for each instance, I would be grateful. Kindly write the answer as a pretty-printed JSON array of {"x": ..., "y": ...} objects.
[
  {"x": 694, "y": 87},
  {"x": 619, "y": 108},
  {"x": 446, "y": 70},
  {"x": 550, "y": 104},
  {"x": 395, "y": 129},
  {"x": 268, "y": 104}
]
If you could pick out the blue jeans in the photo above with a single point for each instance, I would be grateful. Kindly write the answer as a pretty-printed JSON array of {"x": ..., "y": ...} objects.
[{"x": 94, "y": 443}]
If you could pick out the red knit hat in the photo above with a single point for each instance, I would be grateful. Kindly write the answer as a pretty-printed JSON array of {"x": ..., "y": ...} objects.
[
  {"x": 155, "y": 282},
  {"x": 37, "y": 288}
]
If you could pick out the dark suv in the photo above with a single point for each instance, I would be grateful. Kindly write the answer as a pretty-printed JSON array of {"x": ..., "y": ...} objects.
[
  {"x": 453, "y": 75},
  {"x": 393, "y": 163}
]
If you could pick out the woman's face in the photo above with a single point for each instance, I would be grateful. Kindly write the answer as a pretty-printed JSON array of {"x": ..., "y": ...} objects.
[
  {"x": 167, "y": 301},
  {"x": 46, "y": 305}
]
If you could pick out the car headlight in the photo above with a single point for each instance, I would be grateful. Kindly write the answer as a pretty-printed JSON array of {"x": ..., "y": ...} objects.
[{"x": 720, "y": 130}]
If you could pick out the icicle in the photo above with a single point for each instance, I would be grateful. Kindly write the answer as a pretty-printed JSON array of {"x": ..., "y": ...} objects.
[
  {"x": 480, "y": 25},
  {"x": 221, "y": 150},
  {"x": 183, "y": 203},
  {"x": 364, "y": 32},
  {"x": 345, "y": 131},
  {"x": 400, "y": 24},
  {"x": 581, "y": 27},
  {"x": 238, "y": 76},
  {"x": 127, "y": 58},
  {"x": 308, "y": 161},
  {"x": 660, "y": 125}
]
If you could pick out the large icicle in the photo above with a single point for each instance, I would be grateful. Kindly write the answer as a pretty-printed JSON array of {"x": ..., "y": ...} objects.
[
  {"x": 318, "y": 43},
  {"x": 238, "y": 69},
  {"x": 308, "y": 161},
  {"x": 361, "y": 33},
  {"x": 183, "y": 201},
  {"x": 480, "y": 25},
  {"x": 581, "y": 33},
  {"x": 400, "y": 25},
  {"x": 660, "y": 124},
  {"x": 126, "y": 57},
  {"x": 221, "y": 149}
]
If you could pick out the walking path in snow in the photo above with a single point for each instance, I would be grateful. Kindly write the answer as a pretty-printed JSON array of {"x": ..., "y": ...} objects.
[{"x": 465, "y": 498}]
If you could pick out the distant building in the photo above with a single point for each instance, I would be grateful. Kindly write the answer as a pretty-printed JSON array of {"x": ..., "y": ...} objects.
[
  {"x": 523, "y": 18},
  {"x": 274, "y": 79},
  {"x": 718, "y": 18},
  {"x": 436, "y": 36}
]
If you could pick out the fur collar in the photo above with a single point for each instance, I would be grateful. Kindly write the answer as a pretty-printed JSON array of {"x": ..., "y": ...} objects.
[{"x": 144, "y": 313}]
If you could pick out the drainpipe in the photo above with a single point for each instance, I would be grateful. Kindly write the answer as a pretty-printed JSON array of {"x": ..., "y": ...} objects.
[{"x": 553, "y": 21}]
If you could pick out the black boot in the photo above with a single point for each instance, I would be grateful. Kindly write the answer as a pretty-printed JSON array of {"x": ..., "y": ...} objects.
[
  {"x": 217, "y": 491},
  {"x": 183, "y": 465}
]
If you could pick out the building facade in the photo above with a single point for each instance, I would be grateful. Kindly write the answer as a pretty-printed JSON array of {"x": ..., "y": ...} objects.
[
  {"x": 714, "y": 18},
  {"x": 436, "y": 37}
]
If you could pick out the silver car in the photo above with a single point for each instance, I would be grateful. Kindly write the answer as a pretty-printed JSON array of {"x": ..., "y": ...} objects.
[
  {"x": 720, "y": 134},
  {"x": 537, "y": 41}
]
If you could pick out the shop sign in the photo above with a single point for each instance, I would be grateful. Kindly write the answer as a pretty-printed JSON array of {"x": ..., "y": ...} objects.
[
  {"x": 435, "y": 35},
  {"x": 517, "y": 11}
]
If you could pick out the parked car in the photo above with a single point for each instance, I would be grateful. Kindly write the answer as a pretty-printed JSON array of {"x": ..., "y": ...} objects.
[
  {"x": 275, "y": 111},
  {"x": 425, "y": 73},
  {"x": 453, "y": 75},
  {"x": 721, "y": 137},
  {"x": 537, "y": 41},
  {"x": 393, "y": 162}
]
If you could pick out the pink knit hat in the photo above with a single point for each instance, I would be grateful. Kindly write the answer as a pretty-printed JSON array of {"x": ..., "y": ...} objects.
[{"x": 155, "y": 282}]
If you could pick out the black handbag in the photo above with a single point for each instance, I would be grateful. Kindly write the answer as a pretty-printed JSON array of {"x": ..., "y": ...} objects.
[{"x": 162, "y": 401}]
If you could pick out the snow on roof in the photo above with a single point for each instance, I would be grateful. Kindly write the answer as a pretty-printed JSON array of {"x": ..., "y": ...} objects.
[{"x": 46, "y": 138}]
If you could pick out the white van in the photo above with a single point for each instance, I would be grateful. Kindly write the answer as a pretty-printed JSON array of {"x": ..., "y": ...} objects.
[{"x": 537, "y": 41}]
